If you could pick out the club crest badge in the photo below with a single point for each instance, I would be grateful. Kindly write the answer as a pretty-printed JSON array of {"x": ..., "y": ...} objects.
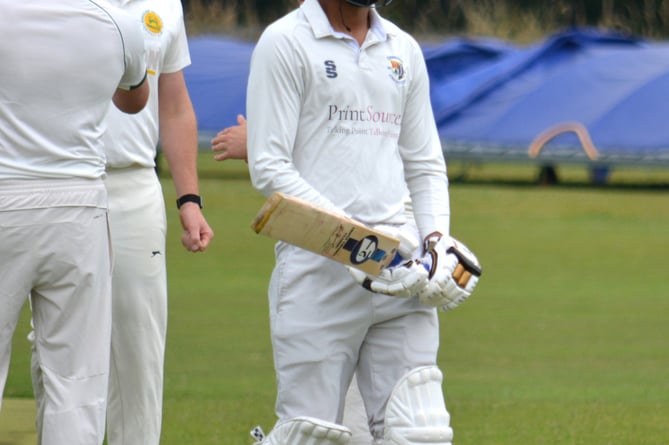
[
  {"x": 396, "y": 69},
  {"x": 152, "y": 22}
]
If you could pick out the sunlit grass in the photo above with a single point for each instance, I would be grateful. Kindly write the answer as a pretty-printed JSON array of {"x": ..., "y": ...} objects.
[{"x": 563, "y": 342}]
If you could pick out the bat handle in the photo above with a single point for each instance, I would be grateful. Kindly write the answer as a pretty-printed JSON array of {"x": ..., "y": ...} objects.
[
  {"x": 468, "y": 264},
  {"x": 397, "y": 259}
]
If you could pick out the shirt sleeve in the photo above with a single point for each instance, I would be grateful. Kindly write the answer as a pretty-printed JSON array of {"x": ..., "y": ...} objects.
[
  {"x": 133, "y": 50},
  {"x": 177, "y": 56},
  {"x": 273, "y": 106},
  {"x": 421, "y": 151}
]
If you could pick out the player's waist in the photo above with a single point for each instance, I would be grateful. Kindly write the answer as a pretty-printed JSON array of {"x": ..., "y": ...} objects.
[
  {"x": 125, "y": 164},
  {"x": 19, "y": 194},
  {"x": 130, "y": 154},
  {"x": 131, "y": 176},
  {"x": 132, "y": 181},
  {"x": 128, "y": 168}
]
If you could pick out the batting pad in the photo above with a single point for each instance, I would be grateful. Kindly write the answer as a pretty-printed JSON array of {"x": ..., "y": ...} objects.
[
  {"x": 416, "y": 412},
  {"x": 307, "y": 431}
]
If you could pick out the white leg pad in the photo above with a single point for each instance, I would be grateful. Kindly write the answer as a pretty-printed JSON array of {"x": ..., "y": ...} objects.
[
  {"x": 307, "y": 431},
  {"x": 416, "y": 412}
]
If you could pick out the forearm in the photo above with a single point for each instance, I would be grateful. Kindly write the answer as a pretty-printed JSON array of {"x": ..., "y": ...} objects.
[
  {"x": 178, "y": 134},
  {"x": 431, "y": 206}
]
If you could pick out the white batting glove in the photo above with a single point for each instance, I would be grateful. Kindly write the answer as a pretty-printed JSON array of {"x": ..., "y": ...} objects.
[
  {"x": 454, "y": 273},
  {"x": 404, "y": 279}
]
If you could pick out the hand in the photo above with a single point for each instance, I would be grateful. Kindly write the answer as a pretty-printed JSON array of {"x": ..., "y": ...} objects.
[
  {"x": 230, "y": 143},
  {"x": 403, "y": 280},
  {"x": 454, "y": 273},
  {"x": 197, "y": 234}
]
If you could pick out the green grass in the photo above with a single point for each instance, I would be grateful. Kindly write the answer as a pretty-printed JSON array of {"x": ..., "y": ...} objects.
[{"x": 563, "y": 342}]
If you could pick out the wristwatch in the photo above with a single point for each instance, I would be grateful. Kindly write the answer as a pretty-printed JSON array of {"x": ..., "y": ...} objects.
[{"x": 197, "y": 199}]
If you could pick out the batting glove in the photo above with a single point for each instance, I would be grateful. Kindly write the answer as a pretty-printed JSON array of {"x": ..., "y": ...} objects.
[
  {"x": 405, "y": 277},
  {"x": 454, "y": 272},
  {"x": 403, "y": 280}
]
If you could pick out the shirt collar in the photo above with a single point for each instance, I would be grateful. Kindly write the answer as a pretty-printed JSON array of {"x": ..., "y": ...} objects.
[{"x": 321, "y": 25}]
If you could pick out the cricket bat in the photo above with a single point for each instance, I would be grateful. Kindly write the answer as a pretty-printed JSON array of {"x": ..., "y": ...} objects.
[{"x": 326, "y": 233}]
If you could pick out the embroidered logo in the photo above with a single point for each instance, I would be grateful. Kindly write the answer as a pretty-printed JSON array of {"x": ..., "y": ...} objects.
[
  {"x": 396, "y": 69},
  {"x": 330, "y": 69},
  {"x": 152, "y": 22}
]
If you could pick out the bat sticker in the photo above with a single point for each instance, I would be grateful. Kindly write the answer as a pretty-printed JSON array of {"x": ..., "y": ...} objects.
[{"x": 364, "y": 249}]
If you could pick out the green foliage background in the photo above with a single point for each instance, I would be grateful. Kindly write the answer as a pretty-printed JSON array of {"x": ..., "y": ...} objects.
[
  {"x": 519, "y": 20},
  {"x": 563, "y": 343}
]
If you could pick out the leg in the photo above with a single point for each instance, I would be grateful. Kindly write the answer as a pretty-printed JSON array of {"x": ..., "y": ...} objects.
[
  {"x": 16, "y": 270},
  {"x": 416, "y": 412},
  {"x": 71, "y": 304},
  {"x": 355, "y": 416},
  {"x": 406, "y": 337},
  {"x": 36, "y": 377},
  {"x": 318, "y": 318},
  {"x": 139, "y": 302}
]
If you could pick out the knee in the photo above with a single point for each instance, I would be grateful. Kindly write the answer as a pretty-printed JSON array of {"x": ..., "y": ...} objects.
[{"x": 416, "y": 412}]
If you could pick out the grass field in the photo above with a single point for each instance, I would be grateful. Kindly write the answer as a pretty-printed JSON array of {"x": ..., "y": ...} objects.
[{"x": 563, "y": 343}]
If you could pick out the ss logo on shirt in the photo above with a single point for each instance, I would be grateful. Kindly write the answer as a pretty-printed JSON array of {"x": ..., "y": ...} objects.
[{"x": 330, "y": 69}]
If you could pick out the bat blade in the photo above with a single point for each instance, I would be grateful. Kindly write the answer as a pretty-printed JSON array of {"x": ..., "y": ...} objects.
[{"x": 325, "y": 233}]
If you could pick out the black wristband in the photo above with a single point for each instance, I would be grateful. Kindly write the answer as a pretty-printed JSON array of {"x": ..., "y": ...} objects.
[{"x": 197, "y": 199}]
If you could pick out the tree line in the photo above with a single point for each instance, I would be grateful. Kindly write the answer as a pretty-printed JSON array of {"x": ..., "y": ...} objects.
[{"x": 513, "y": 19}]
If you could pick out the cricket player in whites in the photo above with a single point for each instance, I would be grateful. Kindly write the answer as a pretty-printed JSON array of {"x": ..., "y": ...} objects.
[
  {"x": 138, "y": 224},
  {"x": 339, "y": 115},
  {"x": 62, "y": 65},
  {"x": 230, "y": 143}
]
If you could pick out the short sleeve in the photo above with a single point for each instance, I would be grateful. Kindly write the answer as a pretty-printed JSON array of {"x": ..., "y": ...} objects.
[{"x": 133, "y": 51}]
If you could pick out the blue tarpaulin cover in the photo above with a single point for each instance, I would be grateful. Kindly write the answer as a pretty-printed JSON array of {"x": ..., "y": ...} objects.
[
  {"x": 582, "y": 95},
  {"x": 216, "y": 81}
]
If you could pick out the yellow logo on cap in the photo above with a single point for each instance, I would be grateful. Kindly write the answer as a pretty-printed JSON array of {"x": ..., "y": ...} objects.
[{"x": 152, "y": 22}]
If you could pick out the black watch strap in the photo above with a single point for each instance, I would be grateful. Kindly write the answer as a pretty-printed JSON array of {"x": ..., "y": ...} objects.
[{"x": 197, "y": 199}]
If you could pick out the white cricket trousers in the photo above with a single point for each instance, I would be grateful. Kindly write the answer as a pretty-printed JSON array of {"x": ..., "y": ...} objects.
[
  {"x": 325, "y": 327},
  {"x": 139, "y": 301},
  {"x": 54, "y": 248},
  {"x": 355, "y": 416}
]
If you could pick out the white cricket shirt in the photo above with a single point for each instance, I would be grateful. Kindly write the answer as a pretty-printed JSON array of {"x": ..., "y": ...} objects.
[
  {"x": 342, "y": 125},
  {"x": 132, "y": 140},
  {"x": 61, "y": 62}
]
